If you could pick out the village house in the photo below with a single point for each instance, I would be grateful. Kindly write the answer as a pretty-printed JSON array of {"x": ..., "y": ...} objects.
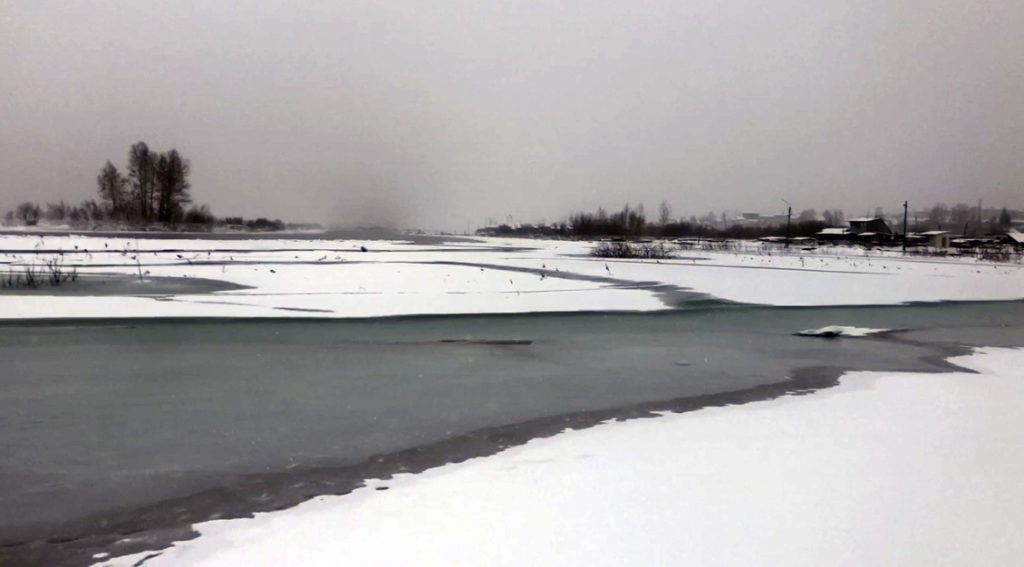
[
  {"x": 1014, "y": 238},
  {"x": 874, "y": 230},
  {"x": 935, "y": 238},
  {"x": 864, "y": 230},
  {"x": 834, "y": 234}
]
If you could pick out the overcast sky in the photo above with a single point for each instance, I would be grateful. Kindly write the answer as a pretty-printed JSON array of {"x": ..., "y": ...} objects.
[{"x": 444, "y": 113}]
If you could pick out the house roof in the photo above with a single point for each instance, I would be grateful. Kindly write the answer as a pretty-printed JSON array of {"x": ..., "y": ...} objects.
[
  {"x": 1017, "y": 237},
  {"x": 866, "y": 219},
  {"x": 835, "y": 231},
  {"x": 934, "y": 233}
]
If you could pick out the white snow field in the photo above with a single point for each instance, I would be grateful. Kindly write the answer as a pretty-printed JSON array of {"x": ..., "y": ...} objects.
[
  {"x": 325, "y": 278},
  {"x": 885, "y": 469}
]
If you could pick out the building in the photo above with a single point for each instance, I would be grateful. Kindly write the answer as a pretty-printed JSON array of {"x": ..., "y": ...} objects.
[
  {"x": 1014, "y": 238},
  {"x": 864, "y": 230},
  {"x": 935, "y": 238},
  {"x": 876, "y": 225},
  {"x": 834, "y": 234}
]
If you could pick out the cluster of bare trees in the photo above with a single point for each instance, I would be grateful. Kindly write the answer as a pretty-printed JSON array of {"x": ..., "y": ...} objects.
[
  {"x": 156, "y": 188},
  {"x": 627, "y": 222},
  {"x": 29, "y": 214},
  {"x": 631, "y": 222},
  {"x": 965, "y": 219}
]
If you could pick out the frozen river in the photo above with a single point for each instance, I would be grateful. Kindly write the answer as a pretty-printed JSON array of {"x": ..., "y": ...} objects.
[{"x": 139, "y": 428}]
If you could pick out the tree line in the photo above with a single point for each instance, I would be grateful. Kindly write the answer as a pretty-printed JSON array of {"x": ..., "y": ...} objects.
[
  {"x": 154, "y": 190},
  {"x": 963, "y": 218},
  {"x": 631, "y": 222}
]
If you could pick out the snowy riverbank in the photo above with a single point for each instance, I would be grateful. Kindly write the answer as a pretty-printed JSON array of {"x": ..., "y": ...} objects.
[
  {"x": 324, "y": 278},
  {"x": 886, "y": 468}
]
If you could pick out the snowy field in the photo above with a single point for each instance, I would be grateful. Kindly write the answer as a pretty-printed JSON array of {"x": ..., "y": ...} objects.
[
  {"x": 289, "y": 278},
  {"x": 885, "y": 469}
]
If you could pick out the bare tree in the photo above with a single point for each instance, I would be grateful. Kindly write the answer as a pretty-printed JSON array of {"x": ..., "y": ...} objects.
[
  {"x": 56, "y": 212},
  {"x": 1004, "y": 219},
  {"x": 142, "y": 173},
  {"x": 92, "y": 211},
  {"x": 807, "y": 215},
  {"x": 172, "y": 186},
  {"x": 28, "y": 213},
  {"x": 960, "y": 214},
  {"x": 664, "y": 213},
  {"x": 113, "y": 189},
  {"x": 938, "y": 214},
  {"x": 833, "y": 217}
]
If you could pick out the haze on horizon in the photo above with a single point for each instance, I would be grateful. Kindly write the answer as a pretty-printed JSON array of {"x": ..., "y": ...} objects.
[{"x": 445, "y": 114}]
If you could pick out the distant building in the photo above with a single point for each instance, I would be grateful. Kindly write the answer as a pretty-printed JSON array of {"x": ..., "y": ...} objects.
[
  {"x": 875, "y": 225},
  {"x": 834, "y": 234},
  {"x": 935, "y": 238},
  {"x": 1014, "y": 238},
  {"x": 864, "y": 230}
]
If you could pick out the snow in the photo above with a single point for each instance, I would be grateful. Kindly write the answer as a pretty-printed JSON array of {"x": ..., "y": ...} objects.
[
  {"x": 835, "y": 231},
  {"x": 886, "y": 468},
  {"x": 841, "y": 331},
  {"x": 304, "y": 277}
]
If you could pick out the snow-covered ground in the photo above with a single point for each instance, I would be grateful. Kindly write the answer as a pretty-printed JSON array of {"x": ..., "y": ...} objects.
[
  {"x": 324, "y": 278},
  {"x": 885, "y": 469}
]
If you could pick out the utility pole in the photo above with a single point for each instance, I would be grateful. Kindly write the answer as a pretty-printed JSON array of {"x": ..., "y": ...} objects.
[
  {"x": 789, "y": 216},
  {"x": 904, "y": 228}
]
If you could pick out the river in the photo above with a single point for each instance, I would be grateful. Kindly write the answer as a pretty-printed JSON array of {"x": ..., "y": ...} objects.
[{"x": 140, "y": 427}]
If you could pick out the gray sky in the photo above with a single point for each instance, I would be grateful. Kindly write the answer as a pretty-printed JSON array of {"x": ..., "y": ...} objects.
[{"x": 444, "y": 113}]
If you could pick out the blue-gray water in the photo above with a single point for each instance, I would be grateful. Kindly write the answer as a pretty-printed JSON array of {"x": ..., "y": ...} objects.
[{"x": 99, "y": 417}]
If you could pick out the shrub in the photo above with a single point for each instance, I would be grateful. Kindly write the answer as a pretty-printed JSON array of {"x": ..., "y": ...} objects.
[{"x": 623, "y": 249}]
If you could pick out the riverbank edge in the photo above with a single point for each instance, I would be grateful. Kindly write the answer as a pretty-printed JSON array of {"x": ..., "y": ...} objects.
[{"x": 158, "y": 525}]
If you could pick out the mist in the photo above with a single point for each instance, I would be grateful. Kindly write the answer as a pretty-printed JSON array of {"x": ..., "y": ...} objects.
[{"x": 446, "y": 114}]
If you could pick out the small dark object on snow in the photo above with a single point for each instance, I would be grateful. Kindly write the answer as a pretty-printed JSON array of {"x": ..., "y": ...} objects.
[
  {"x": 820, "y": 334},
  {"x": 363, "y": 249}
]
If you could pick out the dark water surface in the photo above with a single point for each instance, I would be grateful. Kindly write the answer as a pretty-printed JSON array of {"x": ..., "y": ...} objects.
[{"x": 105, "y": 421}]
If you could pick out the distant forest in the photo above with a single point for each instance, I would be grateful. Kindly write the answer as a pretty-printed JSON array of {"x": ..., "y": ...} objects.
[
  {"x": 154, "y": 193},
  {"x": 632, "y": 222}
]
